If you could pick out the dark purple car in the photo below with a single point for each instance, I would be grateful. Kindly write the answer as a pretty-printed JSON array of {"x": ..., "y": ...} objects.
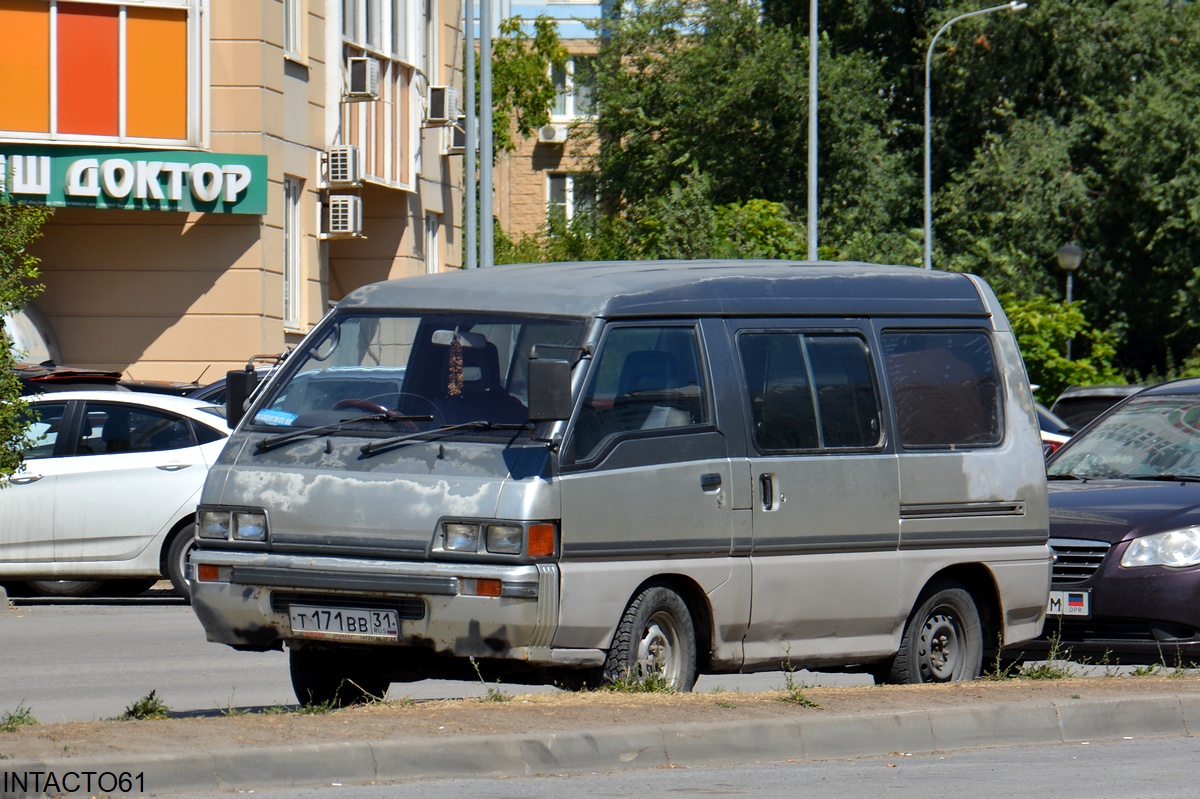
[{"x": 1125, "y": 524}]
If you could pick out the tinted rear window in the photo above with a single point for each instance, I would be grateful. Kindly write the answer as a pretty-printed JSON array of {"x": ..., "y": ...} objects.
[{"x": 945, "y": 388}]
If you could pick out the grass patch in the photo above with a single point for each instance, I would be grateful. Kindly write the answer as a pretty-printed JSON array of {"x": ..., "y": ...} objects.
[
  {"x": 648, "y": 684},
  {"x": 148, "y": 707},
  {"x": 13, "y": 720},
  {"x": 793, "y": 691},
  {"x": 494, "y": 694}
]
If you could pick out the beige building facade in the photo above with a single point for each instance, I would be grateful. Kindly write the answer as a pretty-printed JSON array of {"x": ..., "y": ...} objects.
[{"x": 232, "y": 168}]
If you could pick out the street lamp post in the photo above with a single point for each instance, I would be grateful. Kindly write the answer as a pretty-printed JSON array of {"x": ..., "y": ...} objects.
[
  {"x": 1013, "y": 6},
  {"x": 1069, "y": 258}
]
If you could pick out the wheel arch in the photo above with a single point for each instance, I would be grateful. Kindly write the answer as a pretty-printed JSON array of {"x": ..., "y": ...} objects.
[
  {"x": 697, "y": 604},
  {"x": 978, "y": 581},
  {"x": 165, "y": 551}
]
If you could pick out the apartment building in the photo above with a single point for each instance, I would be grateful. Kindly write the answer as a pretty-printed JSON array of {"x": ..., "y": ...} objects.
[
  {"x": 548, "y": 172},
  {"x": 222, "y": 170}
]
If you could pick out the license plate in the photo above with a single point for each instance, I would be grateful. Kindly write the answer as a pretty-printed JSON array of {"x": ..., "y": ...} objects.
[
  {"x": 1070, "y": 603},
  {"x": 344, "y": 624}
]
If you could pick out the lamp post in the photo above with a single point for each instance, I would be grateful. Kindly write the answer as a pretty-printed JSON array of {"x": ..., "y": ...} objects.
[
  {"x": 1013, "y": 6},
  {"x": 1069, "y": 258},
  {"x": 812, "y": 130}
]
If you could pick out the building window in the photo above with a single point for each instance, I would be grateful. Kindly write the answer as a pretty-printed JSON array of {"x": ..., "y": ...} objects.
[
  {"x": 573, "y": 86},
  {"x": 379, "y": 26},
  {"x": 570, "y": 195},
  {"x": 433, "y": 230},
  {"x": 79, "y": 71},
  {"x": 293, "y": 28},
  {"x": 293, "y": 238}
]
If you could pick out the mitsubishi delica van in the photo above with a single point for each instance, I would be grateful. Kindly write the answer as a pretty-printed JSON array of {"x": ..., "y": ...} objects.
[{"x": 592, "y": 472}]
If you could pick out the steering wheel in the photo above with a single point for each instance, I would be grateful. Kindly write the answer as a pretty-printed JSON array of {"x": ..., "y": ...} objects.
[
  {"x": 370, "y": 406},
  {"x": 360, "y": 405}
]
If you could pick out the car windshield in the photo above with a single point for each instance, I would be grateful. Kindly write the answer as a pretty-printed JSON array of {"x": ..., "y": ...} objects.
[
  {"x": 1149, "y": 437},
  {"x": 391, "y": 374}
]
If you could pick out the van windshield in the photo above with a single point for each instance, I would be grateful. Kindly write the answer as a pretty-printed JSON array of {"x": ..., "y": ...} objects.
[{"x": 389, "y": 373}]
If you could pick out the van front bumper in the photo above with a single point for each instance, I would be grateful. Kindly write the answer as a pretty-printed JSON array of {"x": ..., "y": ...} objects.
[{"x": 246, "y": 604}]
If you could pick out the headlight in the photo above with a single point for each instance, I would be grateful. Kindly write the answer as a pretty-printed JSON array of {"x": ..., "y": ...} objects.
[
  {"x": 249, "y": 525},
  {"x": 1176, "y": 548},
  {"x": 460, "y": 537},
  {"x": 213, "y": 524},
  {"x": 504, "y": 538}
]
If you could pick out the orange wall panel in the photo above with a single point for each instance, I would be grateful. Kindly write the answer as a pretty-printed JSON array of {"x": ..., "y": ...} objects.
[
  {"x": 88, "y": 69},
  {"x": 156, "y": 62},
  {"x": 25, "y": 66}
]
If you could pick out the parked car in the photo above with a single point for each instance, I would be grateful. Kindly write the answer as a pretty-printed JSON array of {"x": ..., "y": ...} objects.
[
  {"x": 1055, "y": 432},
  {"x": 107, "y": 497},
  {"x": 214, "y": 392},
  {"x": 1079, "y": 405},
  {"x": 1125, "y": 524},
  {"x": 37, "y": 378}
]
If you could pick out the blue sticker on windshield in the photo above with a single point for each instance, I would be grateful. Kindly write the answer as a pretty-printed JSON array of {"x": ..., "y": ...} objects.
[{"x": 278, "y": 418}]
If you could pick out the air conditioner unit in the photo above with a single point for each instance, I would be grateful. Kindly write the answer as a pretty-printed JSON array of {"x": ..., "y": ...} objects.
[
  {"x": 443, "y": 105},
  {"x": 552, "y": 134},
  {"x": 342, "y": 166},
  {"x": 362, "y": 75},
  {"x": 345, "y": 216},
  {"x": 458, "y": 136}
]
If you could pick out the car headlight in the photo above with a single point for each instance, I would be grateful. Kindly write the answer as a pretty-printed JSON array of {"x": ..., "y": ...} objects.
[
  {"x": 458, "y": 537},
  {"x": 249, "y": 525},
  {"x": 1174, "y": 548},
  {"x": 504, "y": 538},
  {"x": 213, "y": 524}
]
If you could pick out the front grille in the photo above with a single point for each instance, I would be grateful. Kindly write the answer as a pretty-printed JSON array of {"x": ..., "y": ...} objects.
[
  {"x": 407, "y": 607},
  {"x": 1076, "y": 561}
]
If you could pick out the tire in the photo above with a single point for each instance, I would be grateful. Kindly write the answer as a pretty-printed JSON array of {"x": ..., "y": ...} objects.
[
  {"x": 179, "y": 551},
  {"x": 64, "y": 588},
  {"x": 336, "y": 677},
  {"x": 943, "y": 640},
  {"x": 656, "y": 639}
]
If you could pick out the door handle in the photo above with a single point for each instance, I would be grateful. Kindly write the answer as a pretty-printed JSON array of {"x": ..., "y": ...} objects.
[
  {"x": 25, "y": 479},
  {"x": 772, "y": 498},
  {"x": 173, "y": 467},
  {"x": 710, "y": 482}
]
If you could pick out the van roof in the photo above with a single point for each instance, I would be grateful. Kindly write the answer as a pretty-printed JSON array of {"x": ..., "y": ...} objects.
[{"x": 614, "y": 289}]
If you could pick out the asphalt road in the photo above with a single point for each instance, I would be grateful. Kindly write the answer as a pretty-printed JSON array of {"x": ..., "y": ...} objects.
[{"x": 77, "y": 660}]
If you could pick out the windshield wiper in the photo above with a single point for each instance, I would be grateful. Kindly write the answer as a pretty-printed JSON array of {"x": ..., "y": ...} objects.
[
  {"x": 1064, "y": 476},
  {"x": 283, "y": 438},
  {"x": 446, "y": 429},
  {"x": 1166, "y": 478}
]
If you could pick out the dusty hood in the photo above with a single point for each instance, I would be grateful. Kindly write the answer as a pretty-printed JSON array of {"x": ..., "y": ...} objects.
[{"x": 1115, "y": 510}]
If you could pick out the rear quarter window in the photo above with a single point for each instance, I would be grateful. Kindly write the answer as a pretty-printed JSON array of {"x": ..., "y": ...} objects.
[{"x": 945, "y": 387}]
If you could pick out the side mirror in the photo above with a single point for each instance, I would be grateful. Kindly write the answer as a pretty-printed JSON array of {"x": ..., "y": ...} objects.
[
  {"x": 549, "y": 390},
  {"x": 239, "y": 385}
]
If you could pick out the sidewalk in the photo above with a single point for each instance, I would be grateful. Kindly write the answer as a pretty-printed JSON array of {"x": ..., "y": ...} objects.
[{"x": 808, "y": 736}]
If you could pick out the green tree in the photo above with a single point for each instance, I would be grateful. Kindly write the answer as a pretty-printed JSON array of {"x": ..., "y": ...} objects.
[
  {"x": 1042, "y": 327},
  {"x": 686, "y": 89},
  {"x": 522, "y": 88},
  {"x": 19, "y": 226}
]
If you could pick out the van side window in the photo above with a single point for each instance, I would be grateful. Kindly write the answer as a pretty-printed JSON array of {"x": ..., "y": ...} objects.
[
  {"x": 810, "y": 392},
  {"x": 945, "y": 387},
  {"x": 645, "y": 378}
]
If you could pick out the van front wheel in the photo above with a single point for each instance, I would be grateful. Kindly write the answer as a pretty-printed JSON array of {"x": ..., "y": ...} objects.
[
  {"x": 943, "y": 641},
  {"x": 334, "y": 677},
  {"x": 655, "y": 644}
]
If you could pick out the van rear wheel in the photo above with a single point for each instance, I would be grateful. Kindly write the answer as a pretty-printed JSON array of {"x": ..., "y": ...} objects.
[
  {"x": 336, "y": 677},
  {"x": 655, "y": 644},
  {"x": 943, "y": 640}
]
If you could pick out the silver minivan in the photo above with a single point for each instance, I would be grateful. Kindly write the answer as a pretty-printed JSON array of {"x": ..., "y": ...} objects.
[{"x": 594, "y": 472}]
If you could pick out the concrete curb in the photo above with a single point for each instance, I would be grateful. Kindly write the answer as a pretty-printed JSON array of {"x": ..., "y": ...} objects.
[{"x": 813, "y": 737}]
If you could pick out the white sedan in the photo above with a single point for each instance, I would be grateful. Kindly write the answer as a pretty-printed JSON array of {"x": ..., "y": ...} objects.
[{"x": 107, "y": 497}]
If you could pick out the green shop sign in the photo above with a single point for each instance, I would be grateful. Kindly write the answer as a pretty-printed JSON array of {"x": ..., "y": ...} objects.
[{"x": 136, "y": 180}]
